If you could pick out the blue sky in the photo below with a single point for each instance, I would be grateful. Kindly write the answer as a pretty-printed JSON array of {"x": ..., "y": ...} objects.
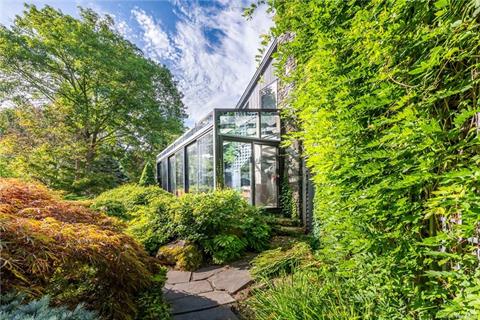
[{"x": 209, "y": 47}]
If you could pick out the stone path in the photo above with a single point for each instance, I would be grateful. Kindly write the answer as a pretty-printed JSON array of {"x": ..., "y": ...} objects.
[{"x": 205, "y": 294}]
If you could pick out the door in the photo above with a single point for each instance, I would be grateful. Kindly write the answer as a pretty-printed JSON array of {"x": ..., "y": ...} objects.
[{"x": 237, "y": 167}]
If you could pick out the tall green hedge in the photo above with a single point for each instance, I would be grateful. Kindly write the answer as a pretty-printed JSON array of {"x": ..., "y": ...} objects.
[{"x": 387, "y": 102}]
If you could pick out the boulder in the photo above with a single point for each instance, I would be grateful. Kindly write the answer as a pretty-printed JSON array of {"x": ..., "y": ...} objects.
[{"x": 181, "y": 254}]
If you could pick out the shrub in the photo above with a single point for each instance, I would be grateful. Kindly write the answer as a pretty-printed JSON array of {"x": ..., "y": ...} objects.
[
  {"x": 182, "y": 254},
  {"x": 145, "y": 209},
  {"x": 73, "y": 253},
  {"x": 385, "y": 99},
  {"x": 280, "y": 261},
  {"x": 151, "y": 303},
  {"x": 13, "y": 307},
  {"x": 222, "y": 222}
]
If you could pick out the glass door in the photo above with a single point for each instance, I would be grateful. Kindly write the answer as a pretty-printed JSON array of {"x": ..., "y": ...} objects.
[
  {"x": 266, "y": 175},
  {"x": 237, "y": 167}
]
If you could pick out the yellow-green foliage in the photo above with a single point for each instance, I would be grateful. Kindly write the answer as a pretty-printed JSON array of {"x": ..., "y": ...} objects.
[
  {"x": 282, "y": 261},
  {"x": 70, "y": 252},
  {"x": 182, "y": 255},
  {"x": 386, "y": 100},
  {"x": 145, "y": 210},
  {"x": 221, "y": 222}
]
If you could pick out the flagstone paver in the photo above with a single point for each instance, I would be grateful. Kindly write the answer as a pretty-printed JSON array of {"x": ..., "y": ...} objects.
[
  {"x": 205, "y": 273},
  {"x": 217, "y": 313},
  {"x": 206, "y": 293},
  {"x": 231, "y": 280},
  {"x": 174, "y": 277}
]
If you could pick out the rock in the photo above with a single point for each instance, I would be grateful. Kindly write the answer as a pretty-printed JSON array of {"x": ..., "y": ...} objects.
[
  {"x": 231, "y": 280},
  {"x": 182, "y": 254}
]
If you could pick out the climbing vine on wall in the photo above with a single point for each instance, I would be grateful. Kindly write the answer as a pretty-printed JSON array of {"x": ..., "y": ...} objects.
[{"x": 387, "y": 97}]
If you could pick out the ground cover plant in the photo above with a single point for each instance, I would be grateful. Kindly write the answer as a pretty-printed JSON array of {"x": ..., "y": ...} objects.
[
  {"x": 15, "y": 307},
  {"x": 220, "y": 223},
  {"x": 70, "y": 252},
  {"x": 386, "y": 105}
]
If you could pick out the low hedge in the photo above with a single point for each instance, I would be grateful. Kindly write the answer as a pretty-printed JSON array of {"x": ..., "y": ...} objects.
[{"x": 70, "y": 252}]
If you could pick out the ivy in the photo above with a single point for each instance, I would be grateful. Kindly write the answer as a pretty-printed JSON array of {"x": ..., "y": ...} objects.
[{"x": 386, "y": 100}]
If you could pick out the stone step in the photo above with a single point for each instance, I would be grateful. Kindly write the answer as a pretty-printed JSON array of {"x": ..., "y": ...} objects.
[
  {"x": 288, "y": 231},
  {"x": 217, "y": 313},
  {"x": 200, "y": 302}
]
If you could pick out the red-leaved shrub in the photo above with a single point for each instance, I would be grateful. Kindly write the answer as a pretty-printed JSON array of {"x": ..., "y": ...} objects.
[{"x": 74, "y": 254}]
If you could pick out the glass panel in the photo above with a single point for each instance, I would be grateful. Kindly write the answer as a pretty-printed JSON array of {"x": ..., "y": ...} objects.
[
  {"x": 164, "y": 171},
  {"x": 180, "y": 188},
  {"x": 268, "y": 96},
  {"x": 266, "y": 176},
  {"x": 237, "y": 167},
  {"x": 192, "y": 165},
  {"x": 238, "y": 123},
  {"x": 171, "y": 176},
  {"x": 270, "y": 125},
  {"x": 205, "y": 162}
]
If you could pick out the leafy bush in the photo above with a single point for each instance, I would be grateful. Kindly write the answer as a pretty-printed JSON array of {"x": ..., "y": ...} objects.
[
  {"x": 145, "y": 209},
  {"x": 386, "y": 102},
  {"x": 221, "y": 222},
  {"x": 280, "y": 261},
  {"x": 13, "y": 307},
  {"x": 71, "y": 252},
  {"x": 151, "y": 303},
  {"x": 182, "y": 254}
]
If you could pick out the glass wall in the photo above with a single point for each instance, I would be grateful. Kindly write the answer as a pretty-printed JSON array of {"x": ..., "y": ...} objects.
[
  {"x": 266, "y": 175},
  {"x": 270, "y": 126},
  {"x": 205, "y": 163},
  {"x": 268, "y": 96},
  {"x": 192, "y": 167},
  {"x": 243, "y": 155},
  {"x": 238, "y": 123},
  {"x": 179, "y": 174},
  {"x": 171, "y": 175},
  {"x": 164, "y": 174},
  {"x": 237, "y": 169}
]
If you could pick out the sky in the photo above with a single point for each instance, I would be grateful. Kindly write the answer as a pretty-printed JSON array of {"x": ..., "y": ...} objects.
[{"x": 208, "y": 45}]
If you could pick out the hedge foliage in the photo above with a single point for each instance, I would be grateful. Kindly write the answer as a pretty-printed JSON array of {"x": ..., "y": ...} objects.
[
  {"x": 220, "y": 222},
  {"x": 386, "y": 99},
  {"x": 70, "y": 252}
]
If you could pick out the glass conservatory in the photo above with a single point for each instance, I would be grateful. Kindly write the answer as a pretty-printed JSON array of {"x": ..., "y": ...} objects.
[{"x": 230, "y": 148}]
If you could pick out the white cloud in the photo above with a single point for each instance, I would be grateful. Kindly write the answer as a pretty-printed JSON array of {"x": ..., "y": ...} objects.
[
  {"x": 156, "y": 39},
  {"x": 211, "y": 75}
]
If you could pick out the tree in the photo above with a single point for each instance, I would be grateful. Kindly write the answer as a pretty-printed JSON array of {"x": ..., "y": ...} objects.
[
  {"x": 89, "y": 106},
  {"x": 148, "y": 176}
]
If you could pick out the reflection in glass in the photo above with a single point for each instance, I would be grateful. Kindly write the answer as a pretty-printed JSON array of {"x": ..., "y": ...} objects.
[
  {"x": 265, "y": 175},
  {"x": 164, "y": 174},
  {"x": 192, "y": 165},
  {"x": 171, "y": 174},
  {"x": 238, "y": 123},
  {"x": 268, "y": 96},
  {"x": 237, "y": 167},
  {"x": 180, "y": 187},
  {"x": 270, "y": 125},
  {"x": 205, "y": 162}
]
